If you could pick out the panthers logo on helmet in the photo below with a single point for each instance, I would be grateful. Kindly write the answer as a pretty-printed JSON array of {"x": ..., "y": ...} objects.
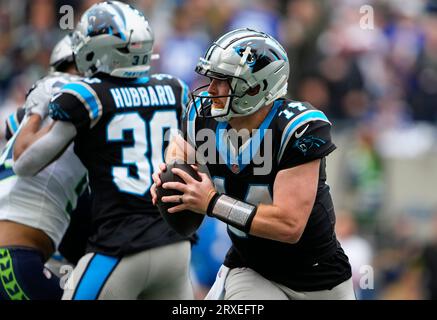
[
  {"x": 103, "y": 22},
  {"x": 259, "y": 56}
]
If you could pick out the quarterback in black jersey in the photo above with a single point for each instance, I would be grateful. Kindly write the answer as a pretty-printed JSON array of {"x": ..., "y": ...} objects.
[
  {"x": 267, "y": 176},
  {"x": 118, "y": 118}
]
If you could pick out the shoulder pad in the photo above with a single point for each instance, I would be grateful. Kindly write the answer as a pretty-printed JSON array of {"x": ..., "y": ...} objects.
[
  {"x": 289, "y": 110},
  {"x": 293, "y": 115},
  {"x": 85, "y": 93},
  {"x": 296, "y": 113}
]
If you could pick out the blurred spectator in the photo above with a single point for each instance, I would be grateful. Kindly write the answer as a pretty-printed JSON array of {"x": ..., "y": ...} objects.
[
  {"x": 258, "y": 15},
  {"x": 183, "y": 48},
  {"x": 363, "y": 175},
  {"x": 315, "y": 91},
  {"x": 360, "y": 254},
  {"x": 398, "y": 261},
  {"x": 430, "y": 263},
  {"x": 423, "y": 85},
  {"x": 14, "y": 100},
  {"x": 304, "y": 22}
]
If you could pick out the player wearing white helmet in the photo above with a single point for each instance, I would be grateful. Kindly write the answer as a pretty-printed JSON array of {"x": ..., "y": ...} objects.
[
  {"x": 278, "y": 210},
  {"x": 118, "y": 119},
  {"x": 35, "y": 211}
]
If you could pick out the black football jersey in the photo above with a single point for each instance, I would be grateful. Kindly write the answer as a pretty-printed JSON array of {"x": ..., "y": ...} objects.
[
  {"x": 121, "y": 127},
  {"x": 293, "y": 133},
  {"x": 13, "y": 122}
]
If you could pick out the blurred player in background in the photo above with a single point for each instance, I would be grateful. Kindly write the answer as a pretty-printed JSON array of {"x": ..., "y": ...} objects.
[
  {"x": 279, "y": 211},
  {"x": 35, "y": 211},
  {"x": 118, "y": 119}
]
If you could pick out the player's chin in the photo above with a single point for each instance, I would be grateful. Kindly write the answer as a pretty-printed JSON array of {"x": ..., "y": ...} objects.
[{"x": 217, "y": 106}]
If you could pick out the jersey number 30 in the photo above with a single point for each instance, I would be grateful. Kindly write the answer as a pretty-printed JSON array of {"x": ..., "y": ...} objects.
[{"x": 146, "y": 153}]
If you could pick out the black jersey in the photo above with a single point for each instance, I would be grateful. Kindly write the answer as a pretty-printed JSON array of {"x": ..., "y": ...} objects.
[
  {"x": 293, "y": 133},
  {"x": 13, "y": 122},
  {"x": 121, "y": 125}
]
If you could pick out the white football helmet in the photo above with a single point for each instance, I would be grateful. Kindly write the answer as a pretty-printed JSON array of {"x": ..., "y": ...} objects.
[
  {"x": 255, "y": 65},
  {"x": 114, "y": 38},
  {"x": 62, "y": 53}
]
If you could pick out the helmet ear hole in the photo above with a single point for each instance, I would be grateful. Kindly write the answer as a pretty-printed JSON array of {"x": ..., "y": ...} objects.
[
  {"x": 253, "y": 91},
  {"x": 265, "y": 84},
  {"x": 89, "y": 56}
]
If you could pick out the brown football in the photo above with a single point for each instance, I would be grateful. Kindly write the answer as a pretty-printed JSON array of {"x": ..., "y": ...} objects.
[{"x": 185, "y": 222}]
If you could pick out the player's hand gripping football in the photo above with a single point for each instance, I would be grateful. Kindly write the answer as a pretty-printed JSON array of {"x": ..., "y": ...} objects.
[
  {"x": 196, "y": 194},
  {"x": 157, "y": 182}
]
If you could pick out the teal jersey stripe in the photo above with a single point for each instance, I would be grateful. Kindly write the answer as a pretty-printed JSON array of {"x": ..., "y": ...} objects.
[
  {"x": 89, "y": 98},
  {"x": 305, "y": 117},
  {"x": 13, "y": 123}
]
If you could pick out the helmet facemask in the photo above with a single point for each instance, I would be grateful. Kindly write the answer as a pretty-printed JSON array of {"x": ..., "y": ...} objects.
[{"x": 206, "y": 109}]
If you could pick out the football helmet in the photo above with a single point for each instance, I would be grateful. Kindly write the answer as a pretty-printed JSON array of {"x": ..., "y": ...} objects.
[
  {"x": 113, "y": 38},
  {"x": 256, "y": 67},
  {"x": 62, "y": 53}
]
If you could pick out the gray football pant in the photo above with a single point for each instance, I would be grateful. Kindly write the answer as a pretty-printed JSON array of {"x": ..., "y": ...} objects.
[
  {"x": 246, "y": 284},
  {"x": 158, "y": 273}
]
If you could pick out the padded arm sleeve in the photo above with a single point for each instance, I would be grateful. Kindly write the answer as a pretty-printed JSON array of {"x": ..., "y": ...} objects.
[{"x": 45, "y": 150}]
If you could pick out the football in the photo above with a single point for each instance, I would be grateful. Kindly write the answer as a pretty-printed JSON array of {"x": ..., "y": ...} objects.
[{"x": 185, "y": 222}]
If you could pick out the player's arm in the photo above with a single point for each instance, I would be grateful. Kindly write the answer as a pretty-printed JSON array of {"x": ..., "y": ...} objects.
[
  {"x": 74, "y": 109},
  {"x": 294, "y": 191},
  {"x": 37, "y": 100},
  {"x": 36, "y": 146},
  {"x": 284, "y": 220},
  {"x": 295, "y": 188}
]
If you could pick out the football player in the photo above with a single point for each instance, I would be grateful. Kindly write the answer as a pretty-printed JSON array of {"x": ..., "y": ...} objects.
[
  {"x": 35, "y": 212},
  {"x": 279, "y": 210},
  {"x": 118, "y": 118}
]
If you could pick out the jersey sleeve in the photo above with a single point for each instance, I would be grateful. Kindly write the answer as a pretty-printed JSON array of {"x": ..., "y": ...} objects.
[
  {"x": 77, "y": 103},
  {"x": 13, "y": 122},
  {"x": 305, "y": 139}
]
